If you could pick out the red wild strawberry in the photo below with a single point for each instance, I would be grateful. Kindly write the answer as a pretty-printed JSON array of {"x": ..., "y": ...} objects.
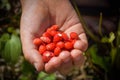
[
  {"x": 42, "y": 49},
  {"x": 50, "y": 46},
  {"x": 37, "y": 41},
  {"x": 48, "y": 30},
  {"x": 45, "y": 39},
  {"x": 57, "y": 37},
  {"x": 65, "y": 36},
  {"x": 57, "y": 51},
  {"x": 46, "y": 34},
  {"x": 73, "y": 35},
  {"x": 54, "y": 27},
  {"x": 60, "y": 44},
  {"x": 47, "y": 56},
  {"x": 68, "y": 45},
  {"x": 53, "y": 33},
  {"x": 53, "y": 41},
  {"x": 73, "y": 41}
]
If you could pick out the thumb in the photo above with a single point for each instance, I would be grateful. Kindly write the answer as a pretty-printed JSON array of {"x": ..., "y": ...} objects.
[
  {"x": 27, "y": 34},
  {"x": 33, "y": 23},
  {"x": 30, "y": 52}
]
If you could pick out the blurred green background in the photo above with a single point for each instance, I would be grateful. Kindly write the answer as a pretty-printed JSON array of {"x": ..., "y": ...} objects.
[{"x": 102, "y": 55}]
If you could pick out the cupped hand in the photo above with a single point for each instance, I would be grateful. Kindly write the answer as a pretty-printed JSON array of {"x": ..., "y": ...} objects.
[{"x": 37, "y": 16}]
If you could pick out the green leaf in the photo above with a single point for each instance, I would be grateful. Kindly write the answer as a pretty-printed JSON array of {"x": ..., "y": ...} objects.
[
  {"x": 105, "y": 39},
  {"x": 5, "y": 37},
  {"x": 28, "y": 71},
  {"x": 23, "y": 77},
  {"x": 12, "y": 49},
  {"x": 50, "y": 77},
  {"x": 113, "y": 54},
  {"x": 5, "y": 4},
  {"x": 112, "y": 37},
  {"x": 27, "y": 68},
  {"x": 10, "y": 29},
  {"x": 6, "y": 52},
  {"x": 108, "y": 39},
  {"x": 44, "y": 76},
  {"x": 99, "y": 60},
  {"x": 1, "y": 48},
  {"x": 41, "y": 75},
  {"x": 15, "y": 48},
  {"x": 13, "y": 30}
]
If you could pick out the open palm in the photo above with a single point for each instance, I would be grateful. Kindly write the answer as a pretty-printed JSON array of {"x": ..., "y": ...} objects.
[{"x": 36, "y": 17}]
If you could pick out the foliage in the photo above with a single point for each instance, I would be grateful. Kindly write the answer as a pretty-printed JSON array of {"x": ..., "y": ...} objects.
[{"x": 102, "y": 55}]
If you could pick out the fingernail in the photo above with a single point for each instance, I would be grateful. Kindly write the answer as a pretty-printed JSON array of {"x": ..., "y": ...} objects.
[{"x": 36, "y": 66}]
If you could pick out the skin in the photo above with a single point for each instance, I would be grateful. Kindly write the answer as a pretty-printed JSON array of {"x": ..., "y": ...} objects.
[{"x": 37, "y": 16}]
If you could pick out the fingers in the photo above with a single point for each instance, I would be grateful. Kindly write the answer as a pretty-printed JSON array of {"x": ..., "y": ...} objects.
[
  {"x": 75, "y": 28},
  {"x": 34, "y": 58},
  {"x": 66, "y": 60},
  {"x": 82, "y": 43},
  {"x": 33, "y": 22},
  {"x": 62, "y": 63},
  {"x": 66, "y": 66},
  {"x": 30, "y": 52},
  {"x": 53, "y": 65},
  {"x": 78, "y": 58}
]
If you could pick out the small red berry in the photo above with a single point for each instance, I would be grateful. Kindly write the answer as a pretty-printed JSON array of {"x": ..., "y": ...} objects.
[
  {"x": 65, "y": 36},
  {"x": 37, "y": 41},
  {"x": 46, "y": 34},
  {"x": 53, "y": 33},
  {"x": 57, "y": 37},
  {"x": 68, "y": 45},
  {"x": 50, "y": 46},
  {"x": 48, "y": 30},
  {"x": 47, "y": 56},
  {"x": 60, "y": 44},
  {"x": 54, "y": 27},
  {"x": 45, "y": 39},
  {"x": 57, "y": 51},
  {"x": 73, "y": 35},
  {"x": 42, "y": 49},
  {"x": 73, "y": 41},
  {"x": 53, "y": 41}
]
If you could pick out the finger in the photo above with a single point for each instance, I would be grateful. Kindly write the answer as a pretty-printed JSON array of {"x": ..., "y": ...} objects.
[
  {"x": 34, "y": 20},
  {"x": 78, "y": 57},
  {"x": 30, "y": 52},
  {"x": 66, "y": 66},
  {"x": 53, "y": 65},
  {"x": 81, "y": 45},
  {"x": 30, "y": 27},
  {"x": 84, "y": 41},
  {"x": 35, "y": 59},
  {"x": 75, "y": 28}
]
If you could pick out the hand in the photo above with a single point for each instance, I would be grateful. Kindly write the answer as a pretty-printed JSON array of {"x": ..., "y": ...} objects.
[{"x": 36, "y": 17}]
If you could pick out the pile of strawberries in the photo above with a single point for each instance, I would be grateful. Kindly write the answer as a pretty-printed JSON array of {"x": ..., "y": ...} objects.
[{"x": 53, "y": 41}]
